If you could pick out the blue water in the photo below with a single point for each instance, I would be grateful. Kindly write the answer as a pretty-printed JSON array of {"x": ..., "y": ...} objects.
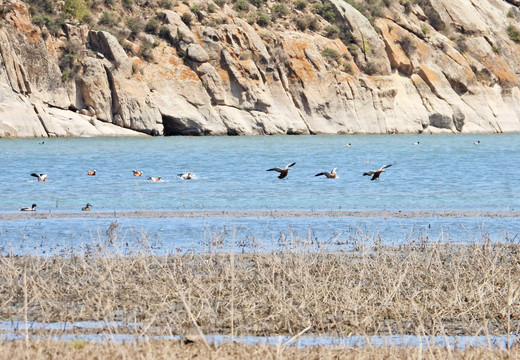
[{"x": 442, "y": 172}]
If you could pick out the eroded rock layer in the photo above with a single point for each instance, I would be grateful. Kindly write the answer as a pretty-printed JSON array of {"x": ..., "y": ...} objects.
[{"x": 429, "y": 66}]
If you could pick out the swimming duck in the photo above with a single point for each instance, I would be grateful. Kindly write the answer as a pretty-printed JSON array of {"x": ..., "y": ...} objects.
[
  {"x": 416, "y": 143},
  {"x": 348, "y": 145},
  {"x": 138, "y": 173},
  {"x": 283, "y": 172},
  {"x": 476, "y": 142},
  {"x": 329, "y": 175},
  {"x": 185, "y": 176},
  {"x": 27, "y": 208},
  {"x": 91, "y": 173},
  {"x": 87, "y": 207},
  {"x": 375, "y": 173},
  {"x": 151, "y": 178},
  {"x": 41, "y": 177}
]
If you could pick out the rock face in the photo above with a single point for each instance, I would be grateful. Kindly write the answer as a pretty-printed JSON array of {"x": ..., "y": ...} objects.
[{"x": 437, "y": 66}]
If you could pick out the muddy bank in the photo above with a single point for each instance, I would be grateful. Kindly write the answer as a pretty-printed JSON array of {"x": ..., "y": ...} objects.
[{"x": 275, "y": 214}]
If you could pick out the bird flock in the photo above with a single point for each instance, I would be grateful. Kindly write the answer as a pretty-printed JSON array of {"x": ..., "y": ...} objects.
[{"x": 283, "y": 172}]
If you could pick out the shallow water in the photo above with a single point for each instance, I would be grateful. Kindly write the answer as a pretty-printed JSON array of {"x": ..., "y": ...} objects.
[
  {"x": 119, "y": 332},
  {"x": 442, "y": 172}
]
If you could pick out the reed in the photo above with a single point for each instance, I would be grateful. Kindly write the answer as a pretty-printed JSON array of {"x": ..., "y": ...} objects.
[{"x": 420, "y": 288}]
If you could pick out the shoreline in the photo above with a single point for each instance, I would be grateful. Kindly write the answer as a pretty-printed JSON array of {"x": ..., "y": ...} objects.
[{"x": 200, "y": 214}]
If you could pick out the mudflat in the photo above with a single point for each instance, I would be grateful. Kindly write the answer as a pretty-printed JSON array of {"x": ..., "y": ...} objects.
[{"x": 198, "y": 214}]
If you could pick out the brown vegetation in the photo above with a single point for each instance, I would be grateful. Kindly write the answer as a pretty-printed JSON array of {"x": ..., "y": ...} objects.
[
  {"x": 420, "y": 288},
  {"x": 189, "y": 350}
]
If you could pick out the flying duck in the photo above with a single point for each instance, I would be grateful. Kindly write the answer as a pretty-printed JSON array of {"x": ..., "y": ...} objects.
[
  {"x": 87, "y": 207},
  {"x": 185, "y": 176},
  {"x": 375, "y": 173},
  {"x": 27, "y": 208},
  {"x": 41, "y": 177},
  {"x": 138, "y": 173},
  {"x": 91, "y": 173},
  {"x": 151, "y": 178},
  {"x": 329, "y": 175},
  {"x": 283, "y": 172}
]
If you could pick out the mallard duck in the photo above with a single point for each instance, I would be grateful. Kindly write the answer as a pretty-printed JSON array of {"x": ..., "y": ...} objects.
[{"x": 283, "y": 172}]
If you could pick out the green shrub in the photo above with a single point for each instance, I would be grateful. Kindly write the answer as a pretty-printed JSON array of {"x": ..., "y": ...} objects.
[
  {"x": 461, "y": 44},
  {"x": 145, "y": 51},
  {"x": 256, "y": 3},
  {"x": 187, "y": 18},
  {"x": 263, "y": 19},
  {"x": 211, "y": 8},
  {"x": 152, "y": 26},
  {"x": 165, "y": 4},
  {"x": 302, "y": 23},
  {"x": 407, "y": 45},
  {"x": 331, "y": 53},
  {"x": 301, "y": 5},
  {"x": 135, "y": 25},
  {"x": 241, "y": 5},
  {"x": 314, "y": 24},
  {"x": 128, "y": 4},
  {"x": 75, "y": 9},
  {"x": 107, "y": 19},
  {"x": 370, "y": 68},
  {"x": 347, "y": 68},
  {"x": 42, "y": 20},
  {"x": 279, "y": 10},
  {"x": 332, "y": 31},
  {"x": 513, "y": 33}
]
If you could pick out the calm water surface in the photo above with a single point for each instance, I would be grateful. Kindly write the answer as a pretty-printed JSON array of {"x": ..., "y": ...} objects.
[{"x": 442, "y": 172}]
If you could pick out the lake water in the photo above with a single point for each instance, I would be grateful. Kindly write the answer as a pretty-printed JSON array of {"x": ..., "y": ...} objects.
[{"x": 443, "y": 172}]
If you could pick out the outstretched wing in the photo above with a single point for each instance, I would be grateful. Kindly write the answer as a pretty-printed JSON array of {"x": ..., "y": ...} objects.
[
  {"x": 369, "y": 173},
  {"x": 288, "y": 166},
  {"x": 35, "y": 175},
  {"x": 275, "y": 169},
  {"x": 321, "y": 173},
  {"x": 385, "y": 166}
]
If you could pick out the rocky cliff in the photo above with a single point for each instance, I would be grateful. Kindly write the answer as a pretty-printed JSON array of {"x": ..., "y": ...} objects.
[{"x": 259, "y": 67}]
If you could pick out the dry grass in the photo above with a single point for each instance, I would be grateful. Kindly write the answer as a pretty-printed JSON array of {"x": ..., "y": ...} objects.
[
  {"x": 418, "y": 289},
  {"x": 182, "y": 350}
]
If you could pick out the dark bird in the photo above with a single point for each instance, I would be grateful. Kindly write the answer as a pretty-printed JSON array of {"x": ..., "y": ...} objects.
[
  {"x": 138, "y": 173},
  {"x": 375, "y": 173},
  {"x": 27, "y": 208},
  {"x": 41, "y": 177},
  {"x": 283, "y": 172},
  {"x": 330, "y": 175},
  {"x": 185, "y": 176},
  {"x": 91, "y": 173},
  {"x": 87, "y": 207}
]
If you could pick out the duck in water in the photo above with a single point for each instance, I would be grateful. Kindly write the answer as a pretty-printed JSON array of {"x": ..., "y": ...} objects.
[{"x": 31, "y": 208}]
